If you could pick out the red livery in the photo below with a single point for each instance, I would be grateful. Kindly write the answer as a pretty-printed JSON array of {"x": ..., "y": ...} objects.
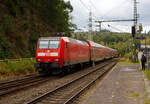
[{"x": 58, "y": 54}]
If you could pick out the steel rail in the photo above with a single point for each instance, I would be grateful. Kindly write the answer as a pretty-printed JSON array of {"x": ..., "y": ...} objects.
[
  {"x": 21, "y": 84},
  {"x": 69, "y": 101},
  {"x": 18, "y": 79},
  {"x": 39, "y": 98},
  {"x": 17, "y": 83}
]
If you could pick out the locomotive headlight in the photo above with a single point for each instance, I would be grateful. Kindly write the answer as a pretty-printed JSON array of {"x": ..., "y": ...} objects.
[
  {"x": 39, "y": 59},
  {"x": 56, "y": 59}
]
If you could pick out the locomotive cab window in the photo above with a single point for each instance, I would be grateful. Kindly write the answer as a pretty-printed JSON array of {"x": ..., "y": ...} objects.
[
  {"x": 43, "y": 44},
  {"x": 49, "y": 44},
  {"x": 54, "y": 44}
]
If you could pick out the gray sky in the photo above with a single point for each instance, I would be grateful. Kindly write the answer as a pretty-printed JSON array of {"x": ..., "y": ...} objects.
[{"x": 108, "y": 10}]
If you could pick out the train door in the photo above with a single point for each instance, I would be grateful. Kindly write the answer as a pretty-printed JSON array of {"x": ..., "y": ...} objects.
[{"x": 93, "y": 55}]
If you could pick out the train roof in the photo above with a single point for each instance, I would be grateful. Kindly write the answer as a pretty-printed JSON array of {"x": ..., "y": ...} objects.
[
  {"x": 96, "y": 44},
  {"x": 48, "y": 38},
  {"x": 83, "y": 42},
  {"x": 99, "y": 45},
  {"x": 66, "y": 39}
]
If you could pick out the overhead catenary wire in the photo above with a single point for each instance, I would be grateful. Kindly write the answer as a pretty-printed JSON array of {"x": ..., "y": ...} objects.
[
  {"x": 88, "y": 9},
  {"x": 92, "y": 4},
  {"x": 95, "y": 17},
  {"x": 104, "y": 26},
  {"x": 115, "y": 28},
  {"x": 110, "y": 11},
  {"x": 84, "y": 5},
  {"x": 92, "y": 16}
]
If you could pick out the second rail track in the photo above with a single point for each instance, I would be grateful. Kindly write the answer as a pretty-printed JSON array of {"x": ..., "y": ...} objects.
[{"x": 65, "y": 93}]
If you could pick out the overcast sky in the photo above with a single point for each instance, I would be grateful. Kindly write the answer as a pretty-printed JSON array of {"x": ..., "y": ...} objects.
[{"x": 108, "y": 10}]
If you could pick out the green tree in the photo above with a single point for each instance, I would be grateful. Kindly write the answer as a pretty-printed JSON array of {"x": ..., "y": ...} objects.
[{"x": 24, "y": 21}]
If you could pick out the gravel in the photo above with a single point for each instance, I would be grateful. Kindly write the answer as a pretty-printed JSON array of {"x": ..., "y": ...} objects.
[{"x": 23, "y": 96}]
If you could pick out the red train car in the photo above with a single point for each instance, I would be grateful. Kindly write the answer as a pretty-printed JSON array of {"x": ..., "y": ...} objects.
[
  {"x": 97, "y": 51},
  {"x": 100, "y": 52},
  {"x": 53, "y": 54}
]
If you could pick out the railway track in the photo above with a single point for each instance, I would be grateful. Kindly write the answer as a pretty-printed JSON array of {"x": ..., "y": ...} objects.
[
  {"x": 17, "y": 79},
  {"x": 67, "y": 92},
  {"x": 8, "y": 87}
]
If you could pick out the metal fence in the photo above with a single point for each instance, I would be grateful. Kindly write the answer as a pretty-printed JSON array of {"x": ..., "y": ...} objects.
[{"x": 15, "y": 60}]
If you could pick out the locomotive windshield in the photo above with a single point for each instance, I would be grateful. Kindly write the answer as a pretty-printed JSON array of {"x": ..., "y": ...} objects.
[
  {"x": 43, "y": 44},
  {"x": 54, "y": 44},
  {"x": 49, "y": 44}
]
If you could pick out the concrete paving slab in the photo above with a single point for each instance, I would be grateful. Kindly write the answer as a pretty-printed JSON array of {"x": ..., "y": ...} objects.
[{"x": 123, "y": 85}]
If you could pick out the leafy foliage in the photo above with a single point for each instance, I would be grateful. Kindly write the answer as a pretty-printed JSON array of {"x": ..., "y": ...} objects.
[
  {"x": 120, "y": 41},
  {"x": 23, "y": 22}
]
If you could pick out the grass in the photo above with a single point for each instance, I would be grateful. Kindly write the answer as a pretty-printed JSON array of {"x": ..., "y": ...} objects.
[
  {"x": 147, "y": 72},
  {"x": 147, "y": 101},
  {"x": 23, "y": 67},
  {"x": 135, "y": 95},
  {"x": 124, "y": 60},
  {"x": 127, "y": 61}
]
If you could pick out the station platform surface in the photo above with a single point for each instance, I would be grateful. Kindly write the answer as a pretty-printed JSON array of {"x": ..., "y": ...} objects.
[{"x": 122, "y": 85}]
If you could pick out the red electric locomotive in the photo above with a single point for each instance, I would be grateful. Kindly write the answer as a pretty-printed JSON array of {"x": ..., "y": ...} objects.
[
  {"x": 57, "y": 54},
  {"x": 54, "y": 54}
]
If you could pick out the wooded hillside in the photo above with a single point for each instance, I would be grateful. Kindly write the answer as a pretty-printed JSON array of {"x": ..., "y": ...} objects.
[{"x": 23, "y": 21}]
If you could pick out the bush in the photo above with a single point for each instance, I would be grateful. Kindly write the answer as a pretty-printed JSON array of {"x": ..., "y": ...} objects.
[
  {"x": 15, "y": 68},
  {"x": 147, "y": 72}
]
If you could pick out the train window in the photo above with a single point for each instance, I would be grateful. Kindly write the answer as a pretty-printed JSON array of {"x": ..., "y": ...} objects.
[
  {"x": 54, "y": 44},
  {"x": 43, "y": 44}
]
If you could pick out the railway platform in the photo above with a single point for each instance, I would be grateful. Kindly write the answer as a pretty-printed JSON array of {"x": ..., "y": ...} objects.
[{"x": 122, "y": 85}]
